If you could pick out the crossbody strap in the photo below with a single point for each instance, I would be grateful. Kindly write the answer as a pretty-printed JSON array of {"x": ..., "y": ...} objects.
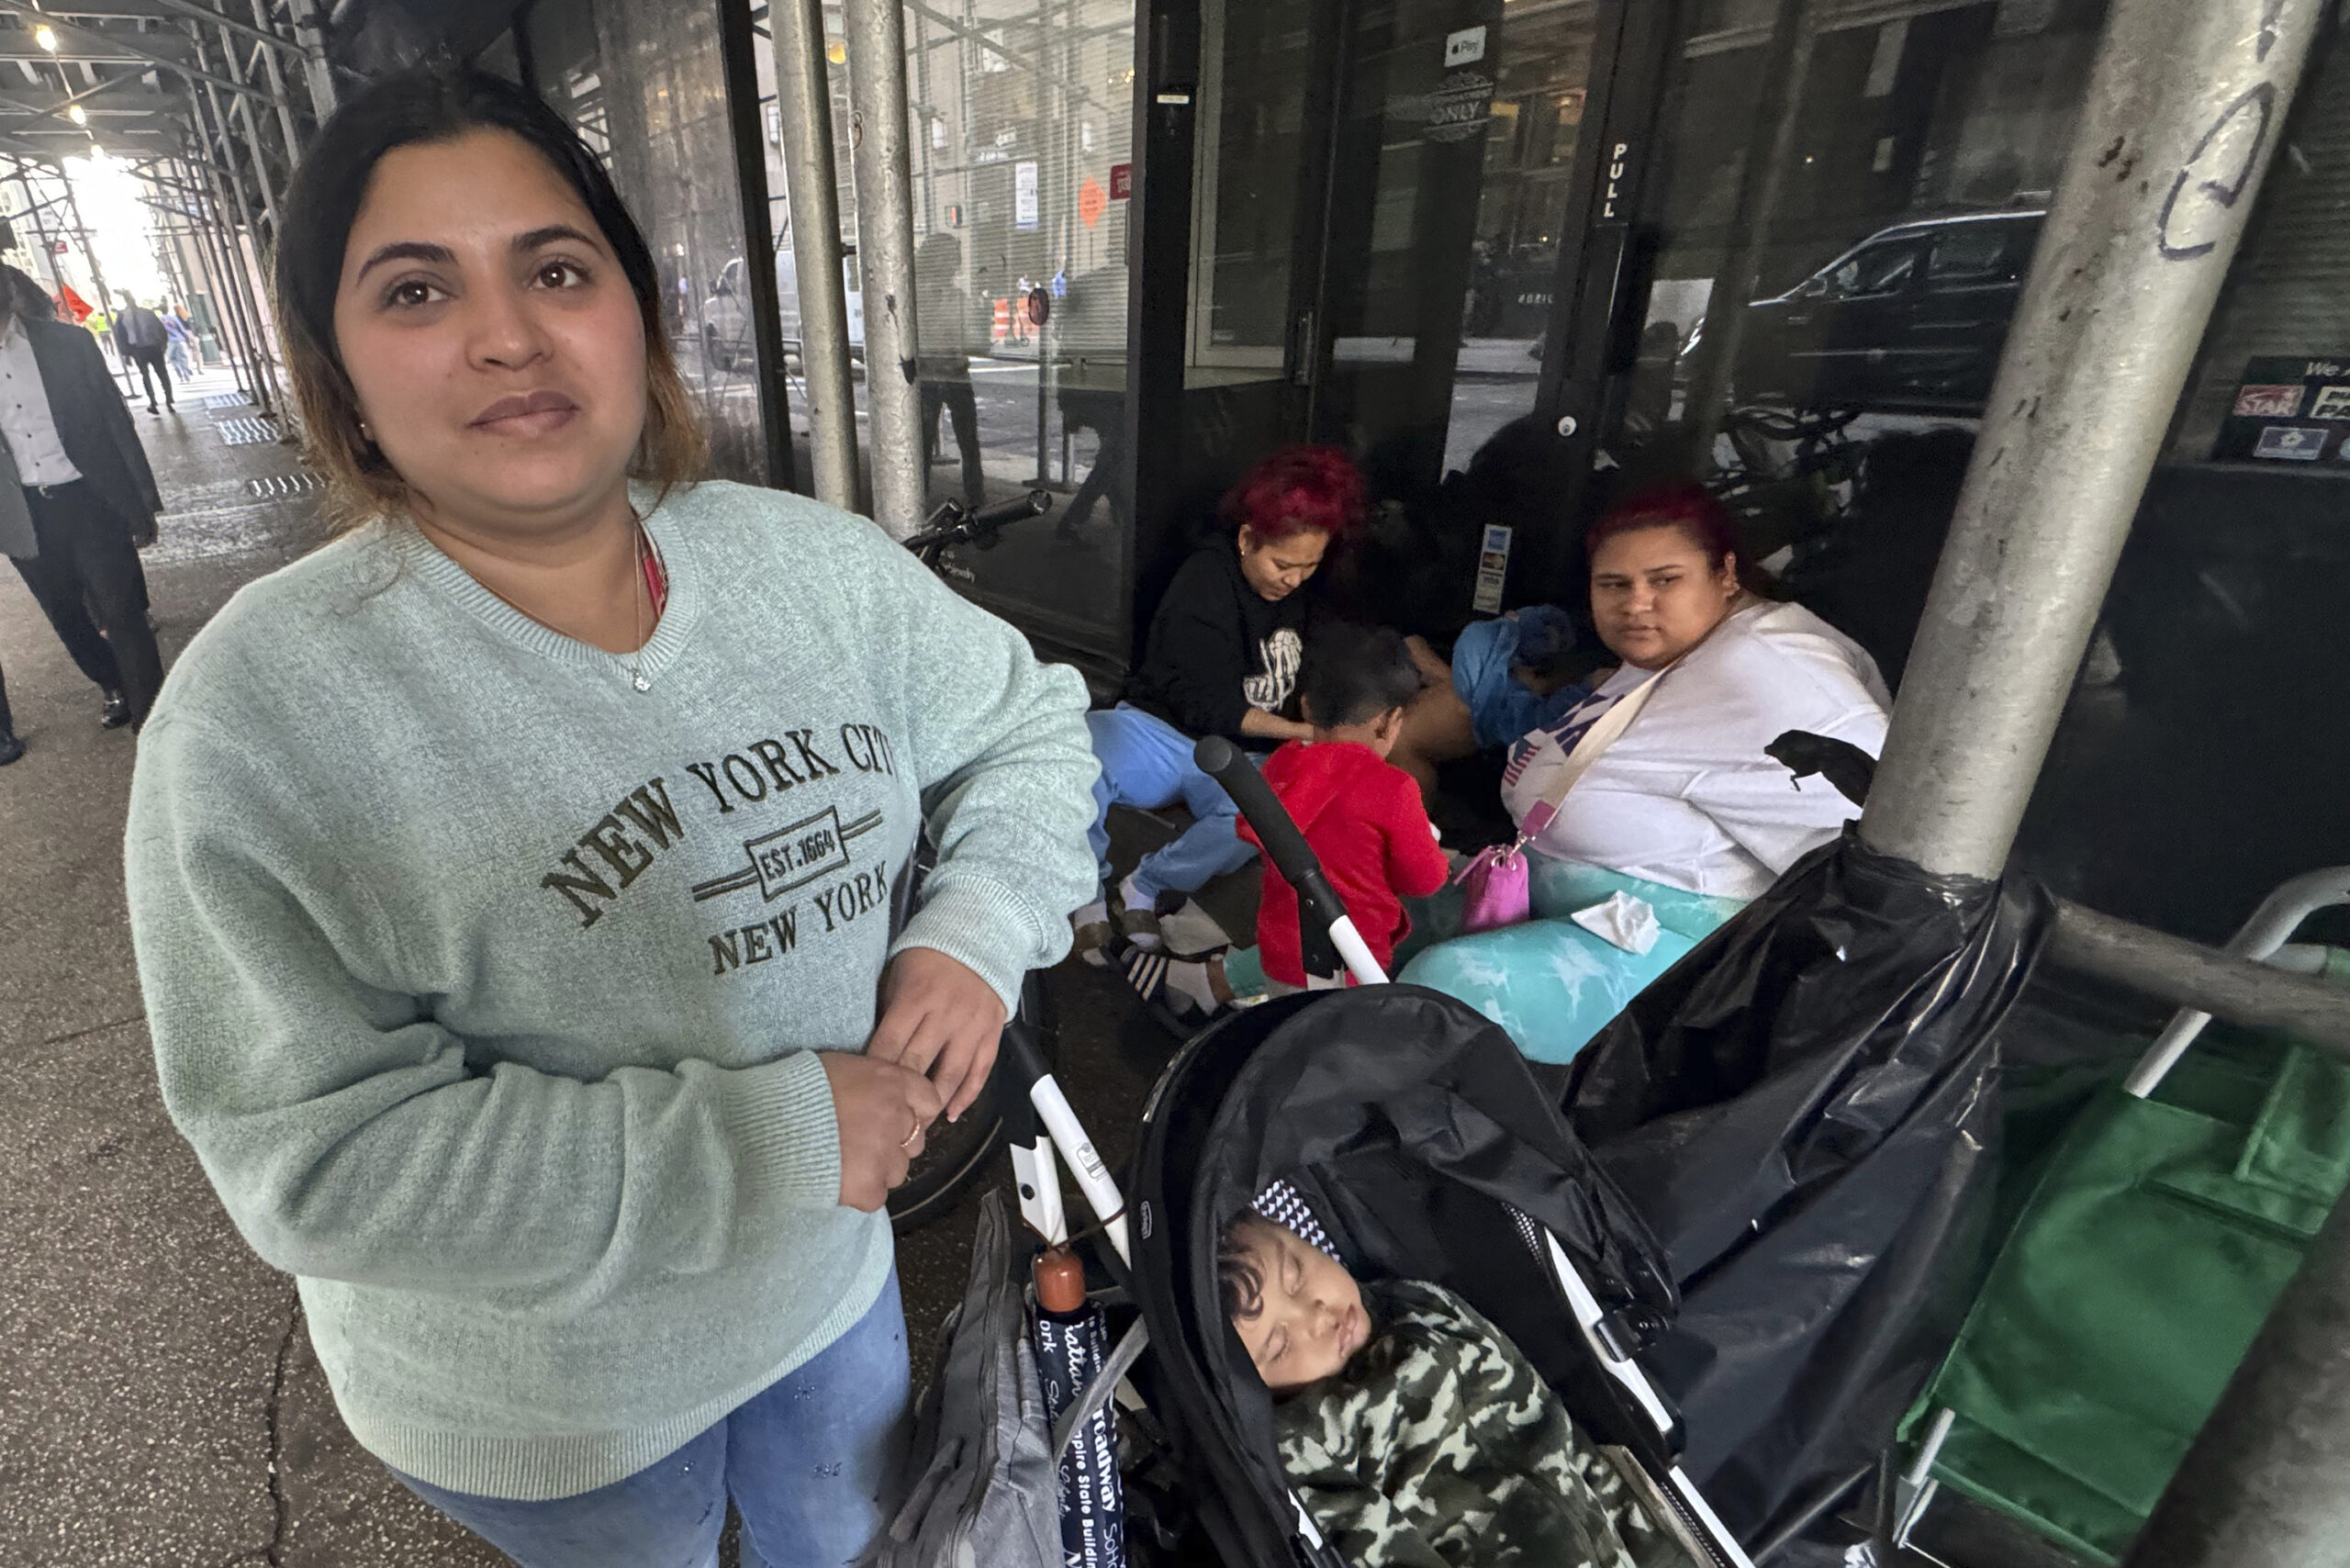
[{"x": 1594, "y": 741}]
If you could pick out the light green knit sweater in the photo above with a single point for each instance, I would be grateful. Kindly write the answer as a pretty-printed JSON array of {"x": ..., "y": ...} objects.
[{"x": 486, "y": 986}]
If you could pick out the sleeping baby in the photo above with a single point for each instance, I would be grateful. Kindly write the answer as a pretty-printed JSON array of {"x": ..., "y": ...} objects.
[{"x": 1413, "y": 1432}]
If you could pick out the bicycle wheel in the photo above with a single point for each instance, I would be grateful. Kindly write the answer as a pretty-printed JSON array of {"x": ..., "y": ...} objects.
[{"x": 957, "y": 1153}]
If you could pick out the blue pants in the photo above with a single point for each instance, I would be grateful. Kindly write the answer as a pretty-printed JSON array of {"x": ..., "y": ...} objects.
[
  {"x": 1547, "y": 982},
  {"x": 806, "y": 1462},
  {"x": 1147, "y": 762}
]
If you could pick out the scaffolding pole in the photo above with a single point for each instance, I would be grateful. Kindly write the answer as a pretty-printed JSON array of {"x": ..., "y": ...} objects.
[
  {"x": 241, "y": 107},
  {"x": 804, "y": 106},
  {"x": 314, "y": 69},
  {"x": 224, "y": 328},
  {"x": 277, "y": 92},
  {"x": 242, "y": 213},
  {"x": 885, "y": 253},
  {"x": 233, "y": 280},
  {"x": 40, "y": 240}
]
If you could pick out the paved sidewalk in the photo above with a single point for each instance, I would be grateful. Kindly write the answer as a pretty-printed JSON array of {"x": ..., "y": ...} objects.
[{"x": 164, "y": 1409}]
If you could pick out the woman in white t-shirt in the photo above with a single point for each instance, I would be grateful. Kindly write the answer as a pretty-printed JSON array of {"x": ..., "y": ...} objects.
[{"x": 1684, "y": 809}]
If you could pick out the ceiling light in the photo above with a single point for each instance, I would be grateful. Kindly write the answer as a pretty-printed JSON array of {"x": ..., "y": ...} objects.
[
  {"x": 46, "y": 36},
  {"x": 78, "y": 115}
]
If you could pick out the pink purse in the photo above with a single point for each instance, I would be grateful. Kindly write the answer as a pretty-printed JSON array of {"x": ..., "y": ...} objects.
[
  {"x": 1496, "y": 890},
  {"x": 1497, "y": 886}
]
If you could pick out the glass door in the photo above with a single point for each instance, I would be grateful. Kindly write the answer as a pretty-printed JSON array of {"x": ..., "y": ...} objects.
[{"x": 1380, "y": 194}]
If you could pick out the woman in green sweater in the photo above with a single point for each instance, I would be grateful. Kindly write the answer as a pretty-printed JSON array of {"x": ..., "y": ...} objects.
[{"x": 517, "y": 881}]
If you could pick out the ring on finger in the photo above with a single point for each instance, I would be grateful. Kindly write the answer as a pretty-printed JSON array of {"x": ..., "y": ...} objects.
[{"x": 915, "y": 1132}]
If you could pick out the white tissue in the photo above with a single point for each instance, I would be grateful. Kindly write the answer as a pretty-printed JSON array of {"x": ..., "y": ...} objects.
[{"x": 1624, "y": 921}]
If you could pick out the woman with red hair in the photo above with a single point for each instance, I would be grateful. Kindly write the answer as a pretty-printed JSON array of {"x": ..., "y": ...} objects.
[
  {"x": 1222, "y": 659},
  {"x": 1680, "y": 808}
]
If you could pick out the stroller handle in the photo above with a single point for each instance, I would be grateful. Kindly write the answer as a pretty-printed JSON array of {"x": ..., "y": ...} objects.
[{"x": 1286, "y": 847}]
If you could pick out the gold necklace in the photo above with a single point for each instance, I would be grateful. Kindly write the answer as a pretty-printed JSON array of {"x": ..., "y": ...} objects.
[{"x": 640, "y": 543}]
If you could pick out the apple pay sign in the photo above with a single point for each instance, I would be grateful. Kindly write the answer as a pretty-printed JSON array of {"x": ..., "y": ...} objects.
[{"x": 1464, "y": 48}]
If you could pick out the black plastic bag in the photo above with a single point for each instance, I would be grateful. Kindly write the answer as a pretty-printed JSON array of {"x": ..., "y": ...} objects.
[{"x": 1803, "y": 1109}]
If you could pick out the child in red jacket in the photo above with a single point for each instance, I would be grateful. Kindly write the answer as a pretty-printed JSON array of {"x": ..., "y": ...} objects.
[{"x": 1362, "y": 815}]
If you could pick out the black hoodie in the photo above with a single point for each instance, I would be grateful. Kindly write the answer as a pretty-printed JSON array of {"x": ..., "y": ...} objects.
[{"x": 1218, "y": 648}]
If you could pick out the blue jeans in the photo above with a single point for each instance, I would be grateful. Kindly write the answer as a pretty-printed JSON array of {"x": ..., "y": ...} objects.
[
  {"x": 1147, "y": 762},
  {"x": 806, "y": 1460}
]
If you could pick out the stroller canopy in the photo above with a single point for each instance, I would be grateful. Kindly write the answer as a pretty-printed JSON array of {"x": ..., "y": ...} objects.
[{"x": 1413, "y": 1130}]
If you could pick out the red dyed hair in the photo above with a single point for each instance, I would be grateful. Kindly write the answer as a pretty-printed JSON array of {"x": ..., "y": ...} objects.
[
  {"x": 1696, "y": 512},
  {"x": 1296, "y": 489}
]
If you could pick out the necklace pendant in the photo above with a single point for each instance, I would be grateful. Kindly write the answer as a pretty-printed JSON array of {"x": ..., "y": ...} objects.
[{"x": 640, "y": 683}]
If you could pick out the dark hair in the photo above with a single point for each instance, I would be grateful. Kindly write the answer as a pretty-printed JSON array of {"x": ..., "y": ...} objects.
[
  {"x": 1353, "y": 674},
  {"x": 1696, "y": 512},
  {"x": 22, "y": 298},
  {"x": 1240, "y": 1288},
  {"x": 1298, "y": 490},
  {"x": 433, "y": 104}
]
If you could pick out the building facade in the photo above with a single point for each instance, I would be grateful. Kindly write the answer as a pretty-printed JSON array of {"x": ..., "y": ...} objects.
[{"x": 1518, "y": 256}]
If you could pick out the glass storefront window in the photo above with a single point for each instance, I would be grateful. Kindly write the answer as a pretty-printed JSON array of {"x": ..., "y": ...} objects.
[
  {"x": 1023, "y": 136},
  {"x": 1876, "y": 242},
  {"x": 648, "y": 94},
  {"x": 1021, "y": 140}
]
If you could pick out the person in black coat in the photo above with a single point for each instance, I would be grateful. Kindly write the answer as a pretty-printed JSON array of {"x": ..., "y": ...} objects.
[
  {"x": 1222, "y": 659},
  {"x": 74, "y": 481},
  {"x": 140, "y": 332}
]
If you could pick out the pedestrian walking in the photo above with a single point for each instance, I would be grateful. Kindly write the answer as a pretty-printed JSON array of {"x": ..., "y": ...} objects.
[
  {"x": 144, "y": 338},
  {"x": 74, "y": 485},
  {"x": 574, "y": 1117},
  {"x": 181, "y": 338}
]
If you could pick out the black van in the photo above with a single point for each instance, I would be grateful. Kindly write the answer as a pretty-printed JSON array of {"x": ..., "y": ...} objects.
[{"x": 1911, "y": 318}]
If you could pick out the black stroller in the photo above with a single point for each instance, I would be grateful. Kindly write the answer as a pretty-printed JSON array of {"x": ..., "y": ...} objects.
[{"x": 1414, "y": 1131}]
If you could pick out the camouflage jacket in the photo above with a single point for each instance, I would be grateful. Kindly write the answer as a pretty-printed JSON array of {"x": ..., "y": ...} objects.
[{"x": 1439, "y": 1447}]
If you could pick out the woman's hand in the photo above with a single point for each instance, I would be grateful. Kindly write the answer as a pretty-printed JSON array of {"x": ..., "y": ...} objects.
[
  {"x": 938, "y": 1018},
  {"x": 882, "y": 1109}
]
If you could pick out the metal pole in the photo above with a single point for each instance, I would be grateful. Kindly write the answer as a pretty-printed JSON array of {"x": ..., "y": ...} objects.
[
  {"x": 277, "y": 92},
  {"x": 223, "y": 330},
  {"x": 2262, "y": 1485},
  {"x": 113, "y": 44},
  {"x": 243, "y": 110},
  {"x": 2185, "y": 105},
  {"x": 314, "y": 69},
  {"x": 2221, "y": 985},
  {"x": 228, "y": 318},
  {"x": 232, "y": 273},
  {"x": 31, "y": 215},
  {"x": 264, "y": 365},
  {"x": 804, "y": 106},
  {"x": 217, "y": 231},
  {"x": 885, "y": 252}
]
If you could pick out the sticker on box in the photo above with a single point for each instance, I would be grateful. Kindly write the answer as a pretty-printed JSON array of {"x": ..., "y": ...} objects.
[
  {"x": 2333, "y": 403},
  {"x": 2269, "y": 402},
  {"x": 2291, "y": 442}
]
